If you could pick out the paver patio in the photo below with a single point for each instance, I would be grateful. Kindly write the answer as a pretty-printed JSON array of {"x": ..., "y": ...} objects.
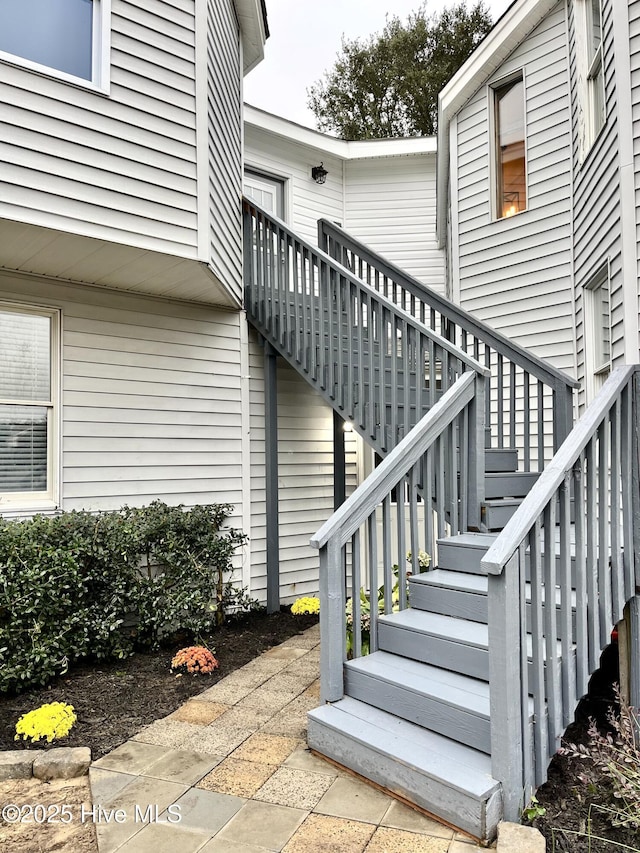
[{"x": 229, "y": 772}]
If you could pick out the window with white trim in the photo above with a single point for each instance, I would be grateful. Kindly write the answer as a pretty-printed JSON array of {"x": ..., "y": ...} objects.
[
  {"x": 597, "y": 331},
  {"x": 588, "y": 14},
  {"x": 63, "y": 38},
  {"x": 28, "y": 381},
  {"x": 510, "y": 159}
]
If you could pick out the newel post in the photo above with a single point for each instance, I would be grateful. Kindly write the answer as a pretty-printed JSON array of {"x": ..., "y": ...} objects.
[
  {"x": 477, "y": 415},
  {"x": 505, "y": 692},
  {"x": 333, "y": 639}
]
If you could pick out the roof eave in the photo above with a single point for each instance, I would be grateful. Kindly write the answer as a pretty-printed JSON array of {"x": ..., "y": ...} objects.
[{"x": 254, "y": 31}]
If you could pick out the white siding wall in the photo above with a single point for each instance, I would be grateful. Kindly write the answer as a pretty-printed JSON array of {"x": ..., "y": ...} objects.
[
  {"x": 224, "y": 95},
  {"x": 305, "y": 477},
  {"x": 150, "y": 398},
  {"x": 597, "y": 201},
  {"x": 305, "y": 201},
  {"x": 391, "y": 205},
  {"x": 634, "y": 47},
  {"x": 516, "y": 273},
  {"x": 121, "y": 167}
]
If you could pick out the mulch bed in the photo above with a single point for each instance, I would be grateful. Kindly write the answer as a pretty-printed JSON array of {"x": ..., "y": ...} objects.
[{"x": 114, "y": 700}]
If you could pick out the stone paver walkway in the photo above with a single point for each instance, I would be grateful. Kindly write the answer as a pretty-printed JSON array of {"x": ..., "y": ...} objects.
[{"x": 229, "y": 772}]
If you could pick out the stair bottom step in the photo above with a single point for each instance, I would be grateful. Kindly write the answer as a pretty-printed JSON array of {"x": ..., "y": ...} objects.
[{"x": 447, "y": 779}]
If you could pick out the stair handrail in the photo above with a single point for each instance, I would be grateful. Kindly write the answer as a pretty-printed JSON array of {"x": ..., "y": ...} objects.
[
  {"x": 597, "y": 469},
  {"x": 463, "y": 325},
  {"x": 271, "y": 284},
  {"x": 404, "y": 462}
]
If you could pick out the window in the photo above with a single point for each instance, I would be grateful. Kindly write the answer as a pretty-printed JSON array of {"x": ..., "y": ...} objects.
[
  {"x": 62, "y": 37},
  {"x": 590, "y": 70},
  {"x": 28, "y": 362},
  {"x": 510, "y": 149},
  {"x": 597, "y": 331}
]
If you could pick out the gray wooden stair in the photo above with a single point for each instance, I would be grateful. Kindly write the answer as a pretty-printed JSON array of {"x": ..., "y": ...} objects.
[
  {"x": 438, "y": 774},
  {"x": 451, "y": 704},
  {"x": 512, "y": 484}
]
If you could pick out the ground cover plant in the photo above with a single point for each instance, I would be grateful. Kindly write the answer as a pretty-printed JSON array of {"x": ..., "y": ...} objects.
[{"x": 80, "y": 586}]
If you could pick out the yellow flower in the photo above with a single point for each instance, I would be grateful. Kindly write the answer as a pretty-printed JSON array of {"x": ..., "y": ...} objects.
[
  {"x": 306, "y": 606},
  {"x": 51, "y": 721}
]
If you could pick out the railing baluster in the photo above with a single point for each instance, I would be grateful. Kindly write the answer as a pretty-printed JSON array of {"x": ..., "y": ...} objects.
[
  {"x": 526, "y": 438},
  {"x": 582, "y": 631},
  {"x": 512, "y": 404},
  {"x": 500, "y": 406},
  {"x": 372, "y": 375},
  {"x": 402, "y": 543},
  {"x": 540, "y": 426},
  {"x": 463, "y": 443},
  {"x": 528, "y": 731},
  {"x": 537, "y": 653},
  {"x": 592, "y": 554},
  {"x": 356, "y": 605},
  {"x": 627, "y": 500},
  {"x": 617, "y": 573},
  {"x": 604, "y": 570},
  {"x": 413, "y": 519},
  {"x": 394, "y": 378},
  {"x": 387, "y": 571},
  {"x": 427, "y": 491},
  {"x": 372, "y": 531},
  {"x": 566, "y": 626},
  {"x": 552, "y": 672}
]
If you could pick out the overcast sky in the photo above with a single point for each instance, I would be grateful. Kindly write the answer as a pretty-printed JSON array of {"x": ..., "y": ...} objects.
[{"x": 305, "y": 39}]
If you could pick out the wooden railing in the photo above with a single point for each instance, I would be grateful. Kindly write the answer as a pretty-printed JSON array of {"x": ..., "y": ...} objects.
[
  {"x": 381, "y": 368},
  {"x": 560, "y": 574},
  {"x": 529, "y": 402},
  {"x": 348, "y": 541}
]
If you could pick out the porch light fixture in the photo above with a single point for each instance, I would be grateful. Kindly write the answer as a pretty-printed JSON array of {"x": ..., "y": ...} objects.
[{"x": 319, "y": 174}]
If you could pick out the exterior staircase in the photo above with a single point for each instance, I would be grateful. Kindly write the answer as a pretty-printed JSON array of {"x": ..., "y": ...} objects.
[{"x": 471, "y": 677}]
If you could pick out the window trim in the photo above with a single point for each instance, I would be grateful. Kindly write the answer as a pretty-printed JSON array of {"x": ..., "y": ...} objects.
[
  {"x": 595, "y": 371},
  {"x": 101, "y": 66},
  {"x": 492, "y": 88},
  {"x": 50, "y": 499},
  {"x": 590, "y": 70}
]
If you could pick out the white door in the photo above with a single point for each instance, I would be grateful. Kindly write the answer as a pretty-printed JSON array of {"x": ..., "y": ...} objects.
[{"x": 266, "y": 191}]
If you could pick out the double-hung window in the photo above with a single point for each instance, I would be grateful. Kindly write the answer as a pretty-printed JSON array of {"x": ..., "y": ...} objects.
[
  {"x": 588, "y": 14},
  {"x": 62, "y": 38},
  {"x": 28, "y": 373},
  {"x": 510, "y": 159}
]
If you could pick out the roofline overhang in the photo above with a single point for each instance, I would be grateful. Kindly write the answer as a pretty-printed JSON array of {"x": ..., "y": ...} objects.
[
  {"x": 254, "y": 31},
  {"x": 325, "y": 144},
  {"x": 509, "y": 31}
]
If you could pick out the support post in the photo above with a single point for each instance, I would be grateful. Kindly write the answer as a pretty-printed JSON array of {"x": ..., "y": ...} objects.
[
  {"x": 271, "y": 478},
  {"x": 634, "y": 652},
  {"x": 339, "y": 463}
]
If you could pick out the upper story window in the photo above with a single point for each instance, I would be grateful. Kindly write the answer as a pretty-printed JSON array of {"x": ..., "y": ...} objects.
[
  {"x": 28, "y": 374},
  {"x": 597, "y": 331},
  {"x": 63, "y": 38},
  {"x": 590, "y": 69},
  {"x": 510, "y": 149}
]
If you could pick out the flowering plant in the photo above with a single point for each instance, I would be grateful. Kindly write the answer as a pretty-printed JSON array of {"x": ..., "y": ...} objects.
[
  {"x": 51, "y": 721},
  {"x": 365, "y": 606},
  {"x": 307, "y": 606},
  {"x": 196, "y": 660}
]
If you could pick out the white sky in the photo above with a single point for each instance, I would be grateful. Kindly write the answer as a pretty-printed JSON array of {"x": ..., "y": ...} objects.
[{"x": 305, "y": 39}]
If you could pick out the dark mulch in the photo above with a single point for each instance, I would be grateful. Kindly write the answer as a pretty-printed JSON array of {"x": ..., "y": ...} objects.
[
  {"x": 114, "y": 700},
  {"x": 574, "y": 819}
]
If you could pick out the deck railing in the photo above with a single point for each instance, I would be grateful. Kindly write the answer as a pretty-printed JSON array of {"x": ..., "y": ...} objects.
[
  {"x": 572, "y": 544},
  {"x": 379, "y": 366},
  {"x": 529, "y": 402},
  {"x": 348, "y": 541}
]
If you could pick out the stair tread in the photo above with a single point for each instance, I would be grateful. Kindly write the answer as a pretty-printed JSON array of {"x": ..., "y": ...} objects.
[
  {"x": 498, "y": 502},
  {"x": 462, "y": 691},
  {"x": 454, "y": 764},
  {"x": 470, "y": 540},
  {"x": 452, "y": 580},
  {"x": 438, "y": 625}
]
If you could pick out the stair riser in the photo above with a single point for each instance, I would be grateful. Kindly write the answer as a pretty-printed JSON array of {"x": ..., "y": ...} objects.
[
  {"x": 514, "y": 485},
  {"x": 496, "y": 517},
  {"x": 467, "y": 559},
  {"x": 438, "y": 651},
  {"x": 479, "y": 818},
  {"x": 462, "y": 605},
  {"x": 437, "y": 716},
  {"x": 499, "y": 460}
]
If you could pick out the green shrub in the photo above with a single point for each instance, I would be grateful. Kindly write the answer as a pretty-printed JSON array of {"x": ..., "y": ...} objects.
[{"x": 70, "y": 583}]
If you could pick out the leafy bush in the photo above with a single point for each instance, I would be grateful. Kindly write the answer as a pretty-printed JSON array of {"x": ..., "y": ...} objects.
[
  {"x": 616, "y": 755},
  {"x": 69, "y": 584}
]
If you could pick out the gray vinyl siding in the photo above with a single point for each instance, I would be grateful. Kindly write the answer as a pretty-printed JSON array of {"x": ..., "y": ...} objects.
[
  {"x": 515, "y": 273},
  {"x": 224, "y": 95},
  {"x": 305, "y": 477},
  {"x": 634, "y": 47},
  {"x": 390, "y": 204},
  {"x": 597, "y": 203},
  {"x": 120, "y": 167},
  {"x": 150, "y": 398},
  {"x": 305, "y": 200}
]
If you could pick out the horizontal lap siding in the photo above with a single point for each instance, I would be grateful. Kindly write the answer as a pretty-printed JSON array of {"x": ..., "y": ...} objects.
[
  {"x": 121, "y": 167},
  {"x": 305, "y": 200},
  {"x": 597, "y": 203},
  {"x": 634, "y": 46},
  {"x": 305, "y": 477},
  {"x": 513, "y": 271},
  {"x": 151, "y": 398},
  {"x": 224, "y": 95},
  {"x": 390, "y": 206}
]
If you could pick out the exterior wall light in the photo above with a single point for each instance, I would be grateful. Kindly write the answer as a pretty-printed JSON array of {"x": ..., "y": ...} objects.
[{"x": 319, "y": 174}]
